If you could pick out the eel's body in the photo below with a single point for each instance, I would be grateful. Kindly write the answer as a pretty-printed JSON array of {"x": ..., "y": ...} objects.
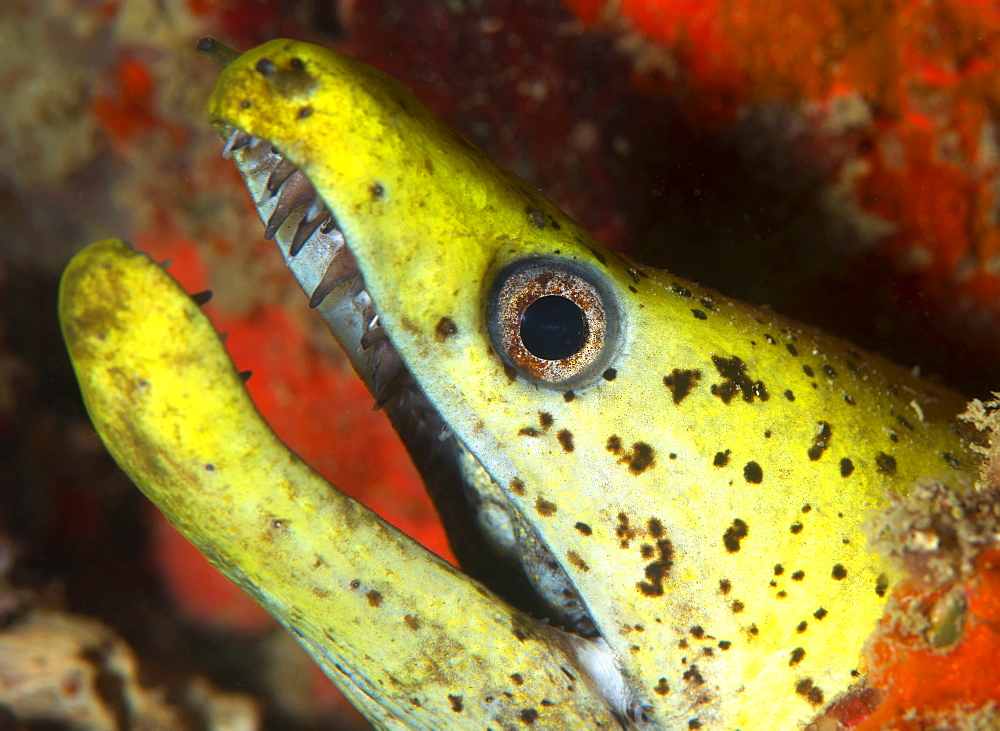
[{"x": 682, "y": 478}]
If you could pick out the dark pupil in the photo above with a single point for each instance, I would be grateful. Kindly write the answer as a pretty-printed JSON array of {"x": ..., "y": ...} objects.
[{"x": 553, "y": 328}]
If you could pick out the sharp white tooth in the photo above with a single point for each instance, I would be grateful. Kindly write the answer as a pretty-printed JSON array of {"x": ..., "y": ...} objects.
[
  {"x": 445, "y": 434},
  {"x": 227, "y": 151},
  {"x": 315, "y": 209},
  {"x": 254, "y": 141}
]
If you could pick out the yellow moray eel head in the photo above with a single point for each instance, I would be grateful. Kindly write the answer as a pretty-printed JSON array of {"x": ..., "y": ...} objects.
[{"x": 682, "y": 477}]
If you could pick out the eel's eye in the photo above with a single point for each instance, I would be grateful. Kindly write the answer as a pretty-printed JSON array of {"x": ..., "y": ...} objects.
[{"x": 551, "y": 321}]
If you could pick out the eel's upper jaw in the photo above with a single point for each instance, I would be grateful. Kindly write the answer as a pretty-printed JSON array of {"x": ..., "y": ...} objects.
[{"x": 318, "y": 253}]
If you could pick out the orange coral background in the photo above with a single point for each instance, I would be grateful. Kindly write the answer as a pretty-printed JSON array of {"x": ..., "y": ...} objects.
[{"x": 837, "y": 160}]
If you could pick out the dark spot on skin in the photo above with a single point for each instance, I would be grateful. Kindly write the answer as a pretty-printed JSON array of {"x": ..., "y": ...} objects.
[
  {"x": 796, "y": 528},
  {"x": 528, "y": 431},
  {"x": 798, "y": 575},
  {"x": 646, "y": 550},
  {"x": 721, "y": 458},
  {"x": 624, "y": 531},
  {"x": 456, "y": 703},
  {"x": 519, "y": 634},
  {"x": 614, "y": 444},
  {"x": 881, "y": 584},
  {"x": 778, "y": 569},
  {"x": 789, "y": 395},
  {"x": 849, "y": 400},
  {"x": 565, "y": 438},
  {"x": 584, "y": 529},
  {"x": 829, "y": 371},
  {"x": 528, "y": 716},
  {"x": 808, "y": 371},
  {"x": 810, "y": 692},
  {"x": 655, "y": 528},
  {"x": 574, "y": 558},
  {"x": 797, "y": 654},
  {"x": 544, "y": 420},
  {"x": 681, "y": 383},
  {"x": 444, "y": 329},
  {"x": 806, "y": 508},
  {"x": 792, "y": 349},
  {"x": 893, "y": 437},
  {"x": 697, "y": 632},
  {"x": 535, "y": 217},
  {"x": 753, "y": 631},
  {"x": 725, "y": 586},
  {"x": 509, "y": 372},
  {"x": 265, "y": 67},
  {"x": 639, "y": 459},
  {"x": 245, "y": 104},
  {"x": 821, "y": 441},
  {"x": 767, "y": 434},
  {"x": 734, "y": 534},
  {"x": 599, "y": 256},
  {"x": 633, "y": 290},
  {"x": 682, "y": 291},
  {"x": 305, "y": 112},
  {"x": 753, "y": 473},
  {"x": 355, "y": 584},
  {"x": 694, "y": 723},
  {"x": 662, "y": 687},
  {"x": 781, "y": 594},
  {"x": 725, "y": 644},
  {"x": 658, "y": 570},
  {"x": 737, "y": 381},
  {"x": 693, "y": 676},
  {"x": 885, "y": 463},
  {"x": 610, "y": 374},
  {"x": 951, "y": 460},
  {"x": 904, "y": 423},
  {"x": 569, "y": 396},
  {"x": 699, "y": 315},
  {"x": 846, "y": 467},
  {"x": 517, "y": 678},
  {"x": 516, "y": 486},
  {"x": 820, "y": 613},
  {"x": 374, "y": 598},
  {"x": 802, "y": 626},
  {"x": 412, "y": 622},
  {"x": 839, "y": 572},
  {"x": 209, "y": 467},
  {"x": 545, "y": 508}
]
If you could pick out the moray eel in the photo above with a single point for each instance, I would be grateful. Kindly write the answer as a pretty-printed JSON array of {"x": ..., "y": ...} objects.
[{"x": 675, "y": 479}]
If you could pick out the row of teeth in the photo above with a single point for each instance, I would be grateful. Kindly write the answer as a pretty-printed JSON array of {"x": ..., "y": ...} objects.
[
  {"x": 391, "y": 380},
  {"x": 295, "y": 191}
]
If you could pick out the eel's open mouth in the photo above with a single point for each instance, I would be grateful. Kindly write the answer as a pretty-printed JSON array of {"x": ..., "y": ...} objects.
[{"x": 491, "y": 540}]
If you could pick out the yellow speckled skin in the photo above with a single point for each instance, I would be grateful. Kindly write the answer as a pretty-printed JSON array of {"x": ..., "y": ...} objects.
[
  {"x": 708, "y": 499},
  {"x": 411, "y": 641}
]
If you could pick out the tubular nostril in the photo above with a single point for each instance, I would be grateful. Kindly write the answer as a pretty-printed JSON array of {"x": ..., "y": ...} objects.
[{"x": 266, "y": 67}]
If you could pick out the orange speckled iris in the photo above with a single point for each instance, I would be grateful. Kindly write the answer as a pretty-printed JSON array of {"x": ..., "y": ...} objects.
[{"x": 918, "y": 680}]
